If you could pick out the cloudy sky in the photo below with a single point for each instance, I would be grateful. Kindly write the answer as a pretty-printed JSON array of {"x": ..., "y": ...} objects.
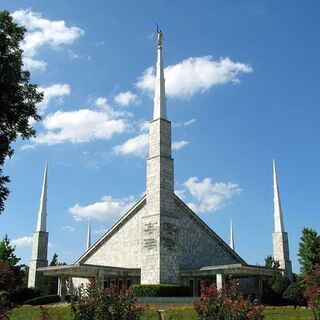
[{"x": 242, "y": 88}]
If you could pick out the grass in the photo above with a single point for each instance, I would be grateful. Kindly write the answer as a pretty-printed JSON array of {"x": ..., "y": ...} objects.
[
  {"x": 173, "y": 313},
  {"x": 287, "y": 313}
]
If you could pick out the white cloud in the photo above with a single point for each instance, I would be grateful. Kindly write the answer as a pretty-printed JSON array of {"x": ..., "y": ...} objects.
[
  {"x": 101, "y": 102},
  {"x": 189, "y": 122},
  {"x": 27, "y": 147},
  {"x": 22, "y": 242},
  {"x": 73, "y": 55},
  {"x": 180, "y": 193},
  {"x": 184, "y": 124},
  {"x": 79, "y": 126},
  {"x": 68, "y": 228},
  {"x": 176, "y": 145},
  {"x": 194, "y": 75},
  {"x": 210, "y": 196},
  {"x": 32, "y": 64},
  {"x": 54, "y": 92},
  {"x": 126, "y": 98},
  {"x": 144, "y": 126},
  {"x": 43, "y": 32},
  {"x": 105, "y": 210},
  {"x": 147, "y": 80},
  {"x": 137, "y": 146}
]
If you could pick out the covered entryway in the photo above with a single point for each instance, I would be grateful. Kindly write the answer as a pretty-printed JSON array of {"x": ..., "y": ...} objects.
[
  {"x": 106, "y": 275},
  {"x": 250, "y": 277}
]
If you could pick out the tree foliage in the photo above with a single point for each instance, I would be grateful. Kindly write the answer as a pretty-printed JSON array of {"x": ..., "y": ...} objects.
[
  {"x": 274, "y": 287},
  {"x": 54, "y": 261},
  {"x": 51, "y": 283},
  {"x": 11, "y": 274},
  {"x": 96, "y": 303},
  {"x": 270, "y": 262},
  {"x": 7, "y": 276},
  {"x": 309, "y": 251},
  {"x": 227, "y": 304},
  {"x": 294, "y": 293},
  {"x": 18, "y": 96},
  {"x": 7, "y": 252},
  {"x": 312, "y": 292}
]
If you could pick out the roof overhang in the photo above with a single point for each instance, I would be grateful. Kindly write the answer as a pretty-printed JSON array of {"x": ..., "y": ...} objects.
[
  {"x": 237, "y": 270},
  {"x": 88, "y": 271}
]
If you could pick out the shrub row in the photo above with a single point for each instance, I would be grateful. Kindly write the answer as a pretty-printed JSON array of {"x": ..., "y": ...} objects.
[
  {"x": 160, "y": 290},
  {"x": 19, "y": 296},
  {"x": 43, "y": 300}
]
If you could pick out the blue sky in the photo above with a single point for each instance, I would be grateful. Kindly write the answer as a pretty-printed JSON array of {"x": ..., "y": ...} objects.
[{"x": 243, "y": 88}]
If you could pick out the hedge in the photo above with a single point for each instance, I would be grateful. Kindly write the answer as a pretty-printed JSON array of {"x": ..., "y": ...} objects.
[
  {"x": 43, "y": 300},
  {"x": 21, "y": 295},
  {"x": 160, "y": 290}
]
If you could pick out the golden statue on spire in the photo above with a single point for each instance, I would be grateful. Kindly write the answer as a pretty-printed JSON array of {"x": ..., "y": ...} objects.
[{"x": 160, "y": 36}]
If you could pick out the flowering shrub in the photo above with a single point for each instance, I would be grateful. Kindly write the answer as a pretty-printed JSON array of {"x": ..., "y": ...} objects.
[
  {"x": 97, "y": 303},
  {"x": 312, "y": 293},
  {"x": 4, "y": 306},
  {"x": 226, "y": 305}
]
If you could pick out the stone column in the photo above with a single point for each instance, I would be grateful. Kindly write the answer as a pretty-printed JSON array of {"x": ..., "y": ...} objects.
[
  {"x": 62, "y": 289},
  {"x": 220, "y": 281},
  {"x": 260, "y": 288},
  {"x": 99, "y": 279}
]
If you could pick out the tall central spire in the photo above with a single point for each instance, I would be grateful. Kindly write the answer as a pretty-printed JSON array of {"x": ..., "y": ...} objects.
[
  {"x": 160, "y": 109},
  {"x": 278, "y": 219},
  {"x": 159, "y": 246}
]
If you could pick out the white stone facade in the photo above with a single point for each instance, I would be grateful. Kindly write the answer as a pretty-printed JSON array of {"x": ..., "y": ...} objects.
[
  {"x": 184, "y": 242},
  {"x": 122, "y": 248},
  {"x": 38, "y": 258},
  {"x": 281, "y": 252}
]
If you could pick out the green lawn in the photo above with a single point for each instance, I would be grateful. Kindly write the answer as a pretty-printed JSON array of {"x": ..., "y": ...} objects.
[{"x": 172, "y": 313}]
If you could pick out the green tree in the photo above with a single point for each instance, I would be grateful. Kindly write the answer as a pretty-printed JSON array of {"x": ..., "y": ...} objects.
[
  {"x": 294, "y": 293},
  {"x": 7, "y": 252},
  {"x": 270, "y": 262},
  {"x": 274, "y": 287},
  {"x": 51, "y": 283},
  {"x": 12, "y": 274},
  {"x": 54, "y": 261},
  {"x": 18, "y": 96},
  {"x": 309, "y": 251},
  {"x": 280, "y": 284}
]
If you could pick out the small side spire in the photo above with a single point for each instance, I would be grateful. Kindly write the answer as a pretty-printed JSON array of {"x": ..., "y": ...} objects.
[
  {"x": 160, "y": 109},
  {"x": 42, "y": 214},
  {"x": 89, "y": 235},
  {"x": 231, "y": 236},
  {"x": 278, "y": 218}
]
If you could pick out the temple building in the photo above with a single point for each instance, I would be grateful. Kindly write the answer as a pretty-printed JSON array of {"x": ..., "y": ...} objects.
[{"x": 160, "y": 240}]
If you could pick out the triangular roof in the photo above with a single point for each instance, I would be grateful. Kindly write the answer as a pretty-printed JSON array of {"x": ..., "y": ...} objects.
[
  {"x": 108, "y": 234},
  {"x": 135, "y": 209},
  {"x": 208, "y": 230}
]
